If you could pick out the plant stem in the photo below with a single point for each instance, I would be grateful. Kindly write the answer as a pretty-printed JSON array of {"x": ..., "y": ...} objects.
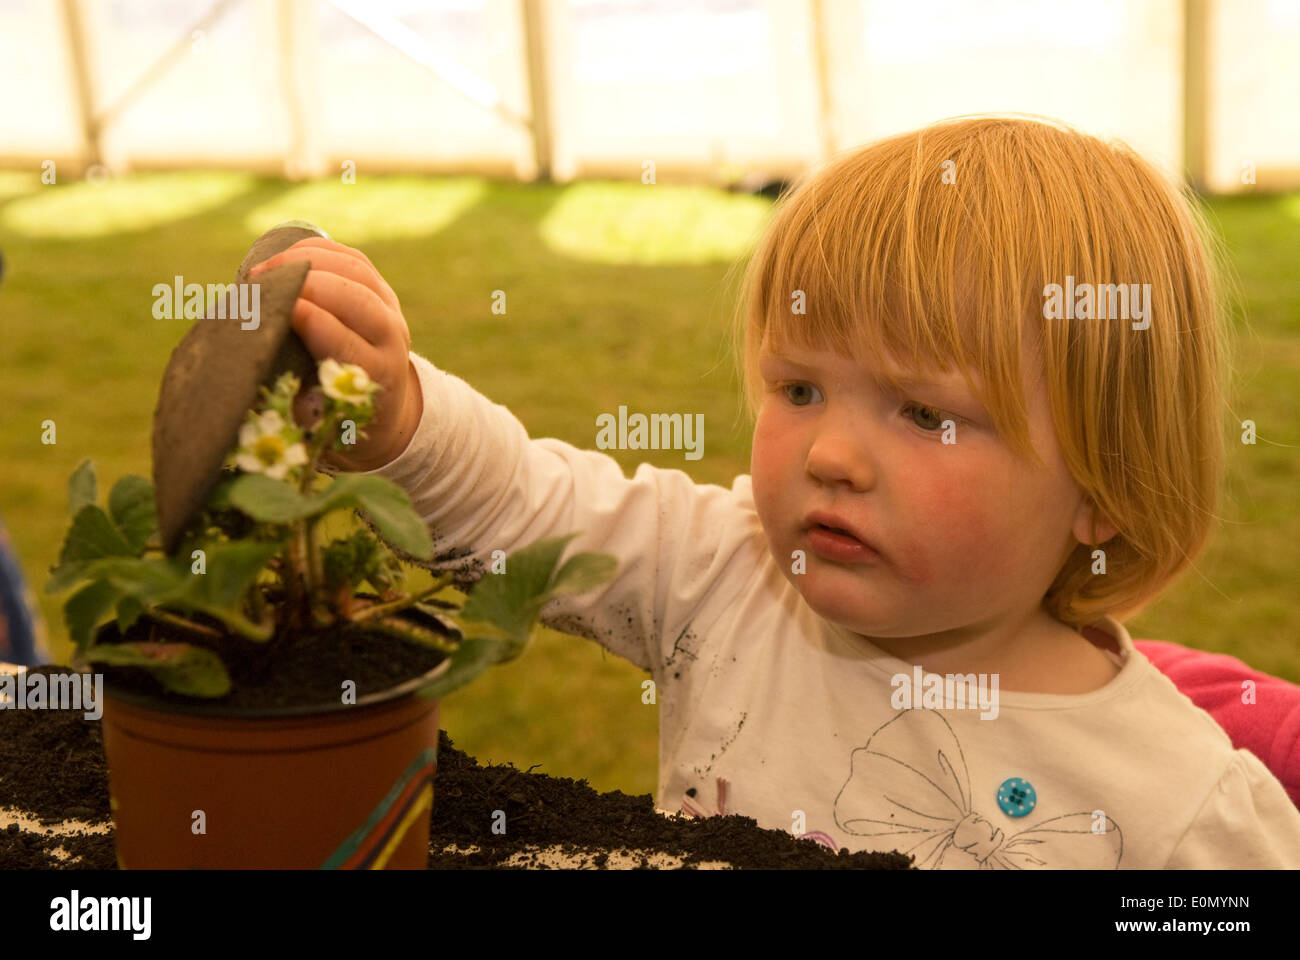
[
  {"x": 293, "y": 586},
  {"x": 321, "y": 435},
  {"x": 155, "y": 614},
  {"x": 315, "y": 562},
  {"x": 321, "y": 613},
  {"x": 414, "y": 634},
  {"x": 308, "y": 595},
  {"x": 383, "y": 609},
  {"x": 344, "y": 601},
  {"x": 312, "y": 566},
  {"x": 259, "y": 632},
  {"x": 305, "y": 544}
]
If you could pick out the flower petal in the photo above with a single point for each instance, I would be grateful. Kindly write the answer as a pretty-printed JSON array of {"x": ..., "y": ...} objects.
[
  {"x": 271, "y": 422},
  {"x": 329, "y": 369},
  {"x": 248, "y": 463}
]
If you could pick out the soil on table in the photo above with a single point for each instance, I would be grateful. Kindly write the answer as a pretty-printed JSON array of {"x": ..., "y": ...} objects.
[
  {"x": 52, "y": 766},
  {"x": 546, "y": 811}
]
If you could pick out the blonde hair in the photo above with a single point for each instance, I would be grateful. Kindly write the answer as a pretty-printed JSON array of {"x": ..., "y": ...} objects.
[{"x": 944, "y": 266}]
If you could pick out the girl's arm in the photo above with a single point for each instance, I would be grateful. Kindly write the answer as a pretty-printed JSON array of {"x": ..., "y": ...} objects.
[{"x": 482, "y": 485}]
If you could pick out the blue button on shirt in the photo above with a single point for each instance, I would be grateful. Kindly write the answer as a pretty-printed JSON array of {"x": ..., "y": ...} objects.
[{"x": 1016, "y": 797}]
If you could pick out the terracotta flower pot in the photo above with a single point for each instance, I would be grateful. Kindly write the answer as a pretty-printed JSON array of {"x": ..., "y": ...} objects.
[{"x": 333, "y": 786}]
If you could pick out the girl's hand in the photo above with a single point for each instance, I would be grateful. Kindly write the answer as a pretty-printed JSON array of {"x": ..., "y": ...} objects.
[{"x": 347, "y": 311}]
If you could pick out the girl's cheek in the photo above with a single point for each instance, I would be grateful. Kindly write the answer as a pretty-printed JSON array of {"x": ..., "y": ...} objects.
[
  {"x": 772, "y": 452},
  {"x": 951, "y": 529},
  {"x": 766, "y": 477}
]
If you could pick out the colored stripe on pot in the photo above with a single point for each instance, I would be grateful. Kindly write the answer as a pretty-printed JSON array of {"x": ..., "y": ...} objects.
[
  {"x": 422, "y": 806},
  {"x": 372, "y": 844}
]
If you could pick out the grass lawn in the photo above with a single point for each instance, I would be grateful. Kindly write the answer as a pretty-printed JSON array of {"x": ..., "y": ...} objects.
[{"x": 627, "y": 292}]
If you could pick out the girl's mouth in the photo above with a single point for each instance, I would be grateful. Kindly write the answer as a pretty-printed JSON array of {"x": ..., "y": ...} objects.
[{"x": 832, "y": 543}]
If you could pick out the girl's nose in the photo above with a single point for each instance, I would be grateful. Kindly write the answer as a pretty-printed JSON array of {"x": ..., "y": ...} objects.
[{"x": 837, "y": 458}]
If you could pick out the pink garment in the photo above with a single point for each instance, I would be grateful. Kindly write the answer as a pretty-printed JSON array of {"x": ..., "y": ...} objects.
[{"x": 1269, "y": 728}]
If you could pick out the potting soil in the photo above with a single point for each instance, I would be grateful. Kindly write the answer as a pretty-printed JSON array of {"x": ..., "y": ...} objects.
[
  {"x": 52, "y": 769},
  {"x": 289, "y": 671}
]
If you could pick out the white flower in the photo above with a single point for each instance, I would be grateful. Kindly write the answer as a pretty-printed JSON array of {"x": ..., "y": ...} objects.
[
  {"x": 346, "y": 382},
  {"x": 266, "y": 445}
]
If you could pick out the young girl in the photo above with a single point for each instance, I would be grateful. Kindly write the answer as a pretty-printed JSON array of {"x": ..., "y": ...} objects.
[{"x": 986, "y": 361}]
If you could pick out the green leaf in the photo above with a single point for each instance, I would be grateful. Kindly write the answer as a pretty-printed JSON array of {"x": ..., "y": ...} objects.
[
  {"x": 131, "y": 504},
  {"x": 514, "y": 622},
  {"x": 582, "y": 572},
  {"x": 219, "y": 498},
  {"x": 128, "y": 612},
  {"x": 180, "y": 667},
  {"x": 65, "y": 575},
  {"x": 509, "y": 646},
  {"x": 345, "y": 560},
  {"x": 474, "y": 655},
  {"x": 384, "y": 502},
  {"x": 267, "y": 500},
  {"x": 387, "y": 506},
  {"x": 86, "y": 608},
  {"x": 81, "y": 487},
  {"x": 512, "y": 601},
  {"x": 149, "y": 581},
  {"x": 93, "y": 535},
  {"x": 231, "y": 568}
]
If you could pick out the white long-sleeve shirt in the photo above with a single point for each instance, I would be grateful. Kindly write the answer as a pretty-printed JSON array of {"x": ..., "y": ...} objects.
[{"x": 771, "y": 711}]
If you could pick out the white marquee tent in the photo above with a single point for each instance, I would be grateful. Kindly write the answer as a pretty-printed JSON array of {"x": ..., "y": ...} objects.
[{"x": 579, "y": 88}]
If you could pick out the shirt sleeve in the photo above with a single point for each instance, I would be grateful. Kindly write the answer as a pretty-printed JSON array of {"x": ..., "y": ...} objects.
[
  {"x": 1247, "y": 822},
  {"x": 481, "y": 485}
]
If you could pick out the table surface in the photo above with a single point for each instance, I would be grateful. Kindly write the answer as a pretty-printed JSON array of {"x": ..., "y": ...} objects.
[{"x": 529, "y": 857}]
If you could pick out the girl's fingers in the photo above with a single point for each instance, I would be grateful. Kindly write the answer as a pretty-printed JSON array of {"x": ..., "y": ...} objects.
[
  {"x": 366, "y": 313},
  {"x": 333, "y": 246},
  {"x": 332, "y": 261},
  {"x": 339, "y": 247},
  {"x": 328, "y": 337},
  {"x": 335, "y": 258}
]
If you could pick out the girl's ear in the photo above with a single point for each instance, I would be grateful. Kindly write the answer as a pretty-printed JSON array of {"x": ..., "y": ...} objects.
[{"x": 1083, "y": 520}]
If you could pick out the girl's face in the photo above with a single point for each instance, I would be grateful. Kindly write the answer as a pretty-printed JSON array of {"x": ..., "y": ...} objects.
[{"x": 967, "y": 537}]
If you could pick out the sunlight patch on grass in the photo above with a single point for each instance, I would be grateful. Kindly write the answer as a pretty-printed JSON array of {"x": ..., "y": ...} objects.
[
  {"x": 96, "y": 208},
  {"x": 372, "y": 208},
  {"x": 652, "y": 224}
]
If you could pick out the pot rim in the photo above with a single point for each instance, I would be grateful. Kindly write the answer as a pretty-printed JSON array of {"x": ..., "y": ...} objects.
[{"x": 202, "y": 708}]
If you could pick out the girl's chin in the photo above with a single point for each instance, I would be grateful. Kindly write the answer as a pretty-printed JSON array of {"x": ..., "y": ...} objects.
[{"x": 844, "y": 607}]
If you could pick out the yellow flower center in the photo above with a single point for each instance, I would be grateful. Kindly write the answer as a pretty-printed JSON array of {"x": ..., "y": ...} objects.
[
  {"x": 345, "y": 382},
  {"x": 269, "y": 448}
]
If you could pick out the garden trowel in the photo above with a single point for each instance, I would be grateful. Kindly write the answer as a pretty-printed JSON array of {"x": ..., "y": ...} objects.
[{"x": 213, "y": 376}]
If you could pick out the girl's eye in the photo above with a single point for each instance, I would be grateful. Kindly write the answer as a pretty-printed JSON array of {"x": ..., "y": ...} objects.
[
  {"x": 933, "y": 417},
  {"x": 929, "y": 419},
  {"x": 786, "y": 387}
]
